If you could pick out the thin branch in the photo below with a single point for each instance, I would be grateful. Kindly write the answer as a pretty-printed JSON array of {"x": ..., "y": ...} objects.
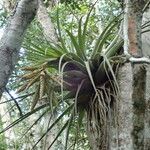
[
  {"x": 19, "y": 97},
  {"x": 145, "y": 24},
  {"x": 139, "y": 60},
  {"x": 146, "y": 6},
  {"x": 16, "y": 103}
]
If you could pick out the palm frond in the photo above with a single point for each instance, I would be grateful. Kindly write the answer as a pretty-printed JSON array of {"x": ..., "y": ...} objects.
[
  {"x": 53, "y": 124},
  {"x": 23, "y": 117}
]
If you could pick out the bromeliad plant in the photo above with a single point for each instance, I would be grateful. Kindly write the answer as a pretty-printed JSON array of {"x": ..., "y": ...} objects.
[
  {"x": 87, "y": 82},
  {"x": 85, "y": 79}
]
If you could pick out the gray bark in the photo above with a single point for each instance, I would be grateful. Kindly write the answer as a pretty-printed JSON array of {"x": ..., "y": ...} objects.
[
  {"x": 146, "y": 52},
  {"x": 12, "y": 38},
  {"x": 46, "y": 23},
  {"x": 133, "y": 131},
  {"x": 121, "y": 132},
  {"x": 133, "y": 128},
  {"x": 146, "y": 35},
  {"x": 8, "y": 5},
  {"x": 147, "y": 112}
]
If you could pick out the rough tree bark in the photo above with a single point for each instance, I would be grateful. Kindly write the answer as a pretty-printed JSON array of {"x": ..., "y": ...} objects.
[
  {"x": 133, "y": 17},
  {"x": 133, "y": 130},
  {"x": 46, "y": 23},
  {"x": 13, "y": 36},
  {"x": 8, "y": 5}
]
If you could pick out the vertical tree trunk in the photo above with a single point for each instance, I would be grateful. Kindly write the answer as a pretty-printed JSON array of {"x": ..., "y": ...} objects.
[
  {"x": 133, "y": 17},
  {"x": 146, "y": 52},
  {"x": 132, "y": 121},
  {"x": 147, "y": 112},
  {"x": 121, "y": 133},
  {"x": 46, "y": 23}
]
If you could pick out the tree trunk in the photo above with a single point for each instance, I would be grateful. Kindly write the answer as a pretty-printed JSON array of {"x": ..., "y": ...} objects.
[
  {"x": 12, "y": 38},
  {"x": 46, "y": 23},
  {"x": 133, "y": 129}
]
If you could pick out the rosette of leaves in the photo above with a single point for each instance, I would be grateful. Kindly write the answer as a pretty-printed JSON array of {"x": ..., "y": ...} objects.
[
  {"x": 86, "y": 78},
  {"x": 91, "y": 81},
  {"x": 83, "y": 75},
  {"x": 88, "y": 83}
]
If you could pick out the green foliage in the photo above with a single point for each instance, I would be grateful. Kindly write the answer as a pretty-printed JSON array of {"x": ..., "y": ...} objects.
[
  {"x": 108, "y": 9},
  {"x": 73, "y": 3},
  {"x": 81, "y": 76},
  {"x": 74, "y": 78},
  {"x": 3, "y": 145}
]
